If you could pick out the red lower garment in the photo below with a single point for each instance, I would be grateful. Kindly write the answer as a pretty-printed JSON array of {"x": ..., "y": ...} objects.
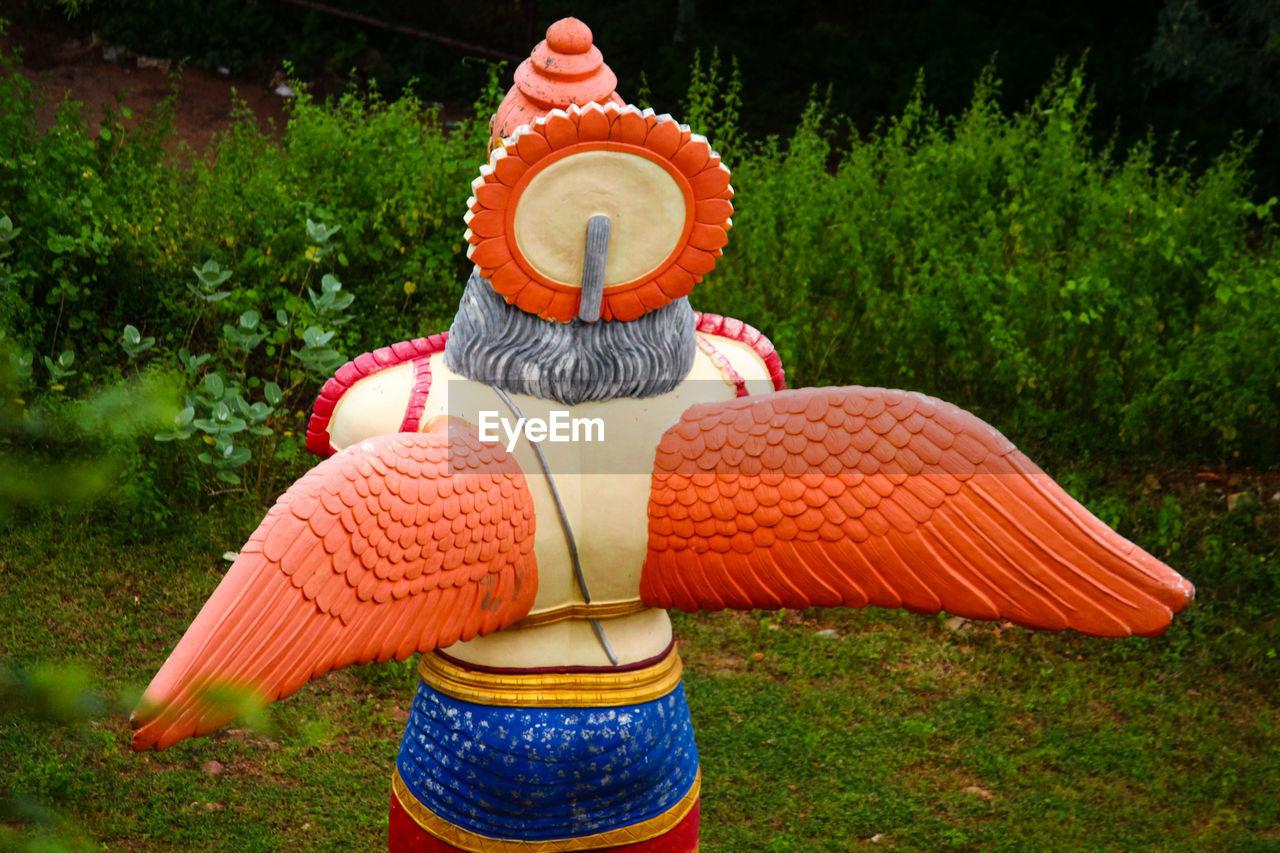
[{"x": 407, "y": 837}]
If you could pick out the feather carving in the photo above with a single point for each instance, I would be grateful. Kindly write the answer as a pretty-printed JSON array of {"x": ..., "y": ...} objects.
[
  {"x": 402, "y": 543},
  {"x": 856, "y": 496}
]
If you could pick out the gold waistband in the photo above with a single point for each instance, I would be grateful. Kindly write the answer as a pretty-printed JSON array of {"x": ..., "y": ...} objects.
[
  {"x": 593, "y": 689},
  {"x": 579, "y": 610},
  {"x": 471, "y": 841}
]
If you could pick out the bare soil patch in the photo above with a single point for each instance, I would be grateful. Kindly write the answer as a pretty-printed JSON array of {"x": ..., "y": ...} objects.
[{"x": 65, "y": 63}]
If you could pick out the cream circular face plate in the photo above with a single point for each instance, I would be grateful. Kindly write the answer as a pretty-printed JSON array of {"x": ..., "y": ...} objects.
[
  {"x": 665, "y": 192},
  {"x": 644, "y": 203}
]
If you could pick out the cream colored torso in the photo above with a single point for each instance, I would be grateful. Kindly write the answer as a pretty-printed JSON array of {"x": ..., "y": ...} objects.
[{"x": 603, "y": 486}]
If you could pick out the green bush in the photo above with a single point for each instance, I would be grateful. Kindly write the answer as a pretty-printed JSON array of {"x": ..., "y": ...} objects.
[
  {"x": 122, "y": 252},
  {"x": 1071, "y": 296},
  {"x": 1083, "y": 300}
]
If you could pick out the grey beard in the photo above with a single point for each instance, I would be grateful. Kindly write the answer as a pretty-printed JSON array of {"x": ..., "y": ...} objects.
[{"x": 575, "y": 362}]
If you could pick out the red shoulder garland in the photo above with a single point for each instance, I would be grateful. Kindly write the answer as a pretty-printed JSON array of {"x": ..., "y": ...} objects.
[
  {"x": 418, "y": 350},
  {"x": 736, "y": 330}
]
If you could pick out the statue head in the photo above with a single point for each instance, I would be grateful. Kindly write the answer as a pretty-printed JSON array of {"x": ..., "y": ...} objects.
[{"x": 590, "y": 209}]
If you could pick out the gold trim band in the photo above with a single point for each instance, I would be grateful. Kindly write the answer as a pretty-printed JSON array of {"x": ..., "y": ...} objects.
[
  {"x": 579, "y": 610},
  {"x": 476, "y": 843},
  {"x": 593, "y": 689}
]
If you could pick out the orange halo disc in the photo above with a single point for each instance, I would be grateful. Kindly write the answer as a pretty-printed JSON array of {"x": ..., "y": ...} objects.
[{"x": 671, "y": 187}]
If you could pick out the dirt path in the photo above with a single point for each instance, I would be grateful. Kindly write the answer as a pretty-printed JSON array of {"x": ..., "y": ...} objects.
[{"x": 63, "y": 62}]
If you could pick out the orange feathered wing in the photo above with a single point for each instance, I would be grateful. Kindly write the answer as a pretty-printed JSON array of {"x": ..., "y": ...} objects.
[
  {"x": 856, "y": 496},
  {"x": 403, "y": 543}
]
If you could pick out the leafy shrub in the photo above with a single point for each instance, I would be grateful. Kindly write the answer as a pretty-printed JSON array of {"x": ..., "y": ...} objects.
[
  {"x": 1083, "y": 299},
  {"x": 102, "y": 231},
  {"x": 1069, "y": 295},
  {"x": 218, "y": 409}
]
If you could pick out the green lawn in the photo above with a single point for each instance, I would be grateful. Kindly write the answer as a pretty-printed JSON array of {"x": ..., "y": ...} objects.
[{"x": 898, "y": 732}]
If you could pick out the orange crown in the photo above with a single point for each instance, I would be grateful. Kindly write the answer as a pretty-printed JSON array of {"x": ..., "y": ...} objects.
[{"x": 564, "y": 69}]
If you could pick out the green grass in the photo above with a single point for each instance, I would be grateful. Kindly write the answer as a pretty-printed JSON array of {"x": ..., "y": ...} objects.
[
  {"x": 982, "y": 739},
  {"x": 899, "y": 727}
]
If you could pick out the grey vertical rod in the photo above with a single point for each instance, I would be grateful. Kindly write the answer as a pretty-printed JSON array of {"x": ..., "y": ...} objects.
[{"x": 593, "y": 268}]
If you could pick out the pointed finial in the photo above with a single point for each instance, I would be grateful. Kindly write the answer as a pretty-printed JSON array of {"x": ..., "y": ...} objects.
[{"x": 565, "y": 68}]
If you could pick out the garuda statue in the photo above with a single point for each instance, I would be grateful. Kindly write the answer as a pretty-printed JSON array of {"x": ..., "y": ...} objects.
[{"x": 522, "y": 499}]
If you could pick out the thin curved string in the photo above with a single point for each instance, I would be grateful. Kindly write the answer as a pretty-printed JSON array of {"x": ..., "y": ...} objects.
[{"x": 564, "y": 525}]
